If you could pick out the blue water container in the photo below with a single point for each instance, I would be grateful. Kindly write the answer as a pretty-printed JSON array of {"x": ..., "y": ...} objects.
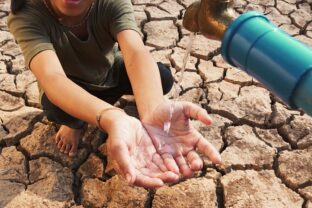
[{"x": 277, "y": 60}]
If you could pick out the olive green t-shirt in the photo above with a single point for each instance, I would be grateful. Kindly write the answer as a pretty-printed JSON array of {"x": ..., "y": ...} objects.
[{"x": 89, "y": 63}]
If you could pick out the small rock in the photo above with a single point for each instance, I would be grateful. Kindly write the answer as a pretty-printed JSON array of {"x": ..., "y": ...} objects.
[
  {"x": 7, "y": 116},
  {"x": 161, "y": 34},
  {"x": 7, "y": 83},
  {"x": 93, "y": 167},
  {"x": 20, "y": 126},
  {"x": 41, "y": 143},
  {"x": 162, "y": 56},
  {"x": 18, "y": 65},
  {"x": 28, "y": 199},
  {"x": 9, "y": 191},
  {"x": 252, "y": 104},
  {"x": 285, "y": 8},
  {"x": 13, "y": 166},
  {"x": 237, "y": 76},
  {"x": 282, "y": 113},
  {"x": 33, "y": 95},
  {"x": 196, "y": 192},
  {"x": 172, "y": 7},
  {"x": 209, "y": 72},
  {"x": 9, "y": 102},
  {"x": 155, "y": 13},
  {"x": 301, "y": 17},
  {"x": 212, "y": 132},
  {"x": 24, "y": 79},
  {"x": 56, "y": 180},
  {"x": 276, "y": 17},
  {"x": 295, "y": 167},
  {"x": 299, "y": 131},
  {"x": 113, "y": 193},
  {"x": 189, "y": 80},
  {"x": 257, "y": 189},
  {"x": 245, "y": 150},
  {"x": 202, "y": 47},
  {"x": 140, "y": 18},
  {"x": 93, "y": 193},
  {"x": 177, "y": 60},
  {"x": 271, "y": 137},
  {"x": 290, "y": 29},
  {"x": 194, "y": 95},
  {"x": 220, "y": 62},
  {"x": 93, "y": 137}
]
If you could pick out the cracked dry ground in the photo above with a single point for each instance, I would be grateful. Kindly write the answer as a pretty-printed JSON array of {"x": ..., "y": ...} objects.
[{"x": 266, "y": 147}]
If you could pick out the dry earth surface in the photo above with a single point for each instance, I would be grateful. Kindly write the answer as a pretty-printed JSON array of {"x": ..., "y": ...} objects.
[{"x": 266, "y": 147}]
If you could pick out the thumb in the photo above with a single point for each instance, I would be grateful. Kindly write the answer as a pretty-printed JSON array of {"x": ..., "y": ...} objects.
[
  {"x": 121, "y": 155},
  {"x": 193, "y": 111}
]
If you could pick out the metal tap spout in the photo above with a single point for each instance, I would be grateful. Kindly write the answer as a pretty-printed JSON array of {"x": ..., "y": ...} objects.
[{"x": 209, "y": 17}]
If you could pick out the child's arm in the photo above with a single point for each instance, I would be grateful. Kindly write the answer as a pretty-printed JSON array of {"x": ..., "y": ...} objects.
[
  {"x": 177, "y": 146},
  {"x": 142, "y": 71},
  {"x": 64, "y": 93}
]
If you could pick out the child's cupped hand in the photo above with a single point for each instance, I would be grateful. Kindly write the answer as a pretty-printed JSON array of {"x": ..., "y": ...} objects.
[{"x": 134, "y": 154}]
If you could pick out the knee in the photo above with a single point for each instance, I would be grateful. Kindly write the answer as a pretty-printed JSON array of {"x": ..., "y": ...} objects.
[{"x": 166, "y": 77}]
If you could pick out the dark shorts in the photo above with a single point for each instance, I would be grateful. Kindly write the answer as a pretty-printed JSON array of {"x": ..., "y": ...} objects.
[{"x": 56, "y": 115}]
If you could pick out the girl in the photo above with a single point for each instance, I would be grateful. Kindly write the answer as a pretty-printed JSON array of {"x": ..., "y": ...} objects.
[{"x": 70, "y": 46}]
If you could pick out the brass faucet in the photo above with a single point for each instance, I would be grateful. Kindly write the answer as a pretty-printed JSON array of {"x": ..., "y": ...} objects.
[{"x": 210, "y": 17}]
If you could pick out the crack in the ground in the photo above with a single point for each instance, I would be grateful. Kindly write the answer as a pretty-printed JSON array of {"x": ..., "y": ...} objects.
[
  {"x": 220, "y": 194},
  {"x": 244, "y": 167},
  {"x": 150, "y": 197}
]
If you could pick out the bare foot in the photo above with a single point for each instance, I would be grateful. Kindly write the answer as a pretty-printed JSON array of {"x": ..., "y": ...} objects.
[{"x": 67, "y": 140}]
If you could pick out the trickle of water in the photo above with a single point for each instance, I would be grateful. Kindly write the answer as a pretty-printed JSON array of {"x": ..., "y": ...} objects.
[
  {"x": 185, "y": 58},
  {"x": 176, "y": 90}
]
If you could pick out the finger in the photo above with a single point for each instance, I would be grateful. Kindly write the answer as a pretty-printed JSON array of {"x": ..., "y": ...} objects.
[
  {"x": 194, "y": 161},
  {"x": 208, "y": 149},
  {"x": 168, "y": 176},
  {"x": 159, "y": 162},
  {"x": 170, "y": 163},
  {"x": 184, "y": 168},
  {"x": 148, "y": 182},
  {"x": 122, "y": 157},
  {"x": 193, "y": 111}
]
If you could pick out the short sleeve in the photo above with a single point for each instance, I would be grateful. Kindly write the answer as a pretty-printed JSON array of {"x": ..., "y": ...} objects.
[
  {"x": 30, "y": 35},
  {"x": 122, "y": 17}
]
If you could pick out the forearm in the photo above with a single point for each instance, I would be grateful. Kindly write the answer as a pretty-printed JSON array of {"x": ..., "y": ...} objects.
[
  {"x": 75, "y": 101},
  {"x": 145, "y": 80}
]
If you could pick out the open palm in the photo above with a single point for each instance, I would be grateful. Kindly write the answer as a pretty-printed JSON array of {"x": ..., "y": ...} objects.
[
  {"x": 177, "y": 145},
  {"x": 134, "y": 155}
]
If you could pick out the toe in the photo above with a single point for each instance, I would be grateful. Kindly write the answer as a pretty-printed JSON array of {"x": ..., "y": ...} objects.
[
  {"x": 63, "y": 148},
  {"x": 67, "y": 148},
  {"x": 57, "y": 137},
  {"x": 73, "y": 150},
  {"x": 60, "y": 144}
]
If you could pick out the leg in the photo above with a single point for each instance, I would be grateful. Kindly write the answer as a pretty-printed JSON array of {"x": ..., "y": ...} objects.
[
  {"x": 67, "y": 137},
  {"x": 124, "y": 86}
]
